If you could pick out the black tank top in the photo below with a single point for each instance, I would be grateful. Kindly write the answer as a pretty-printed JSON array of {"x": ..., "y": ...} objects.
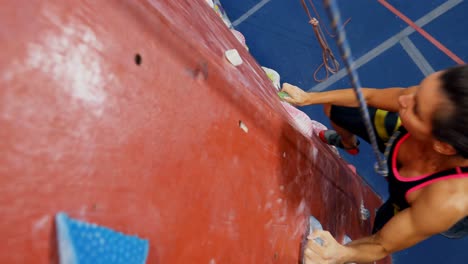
[{"x": 400, "y": 187}]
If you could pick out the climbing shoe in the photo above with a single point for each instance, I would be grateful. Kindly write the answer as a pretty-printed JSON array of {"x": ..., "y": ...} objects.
[{"x": 331, "y": 137}]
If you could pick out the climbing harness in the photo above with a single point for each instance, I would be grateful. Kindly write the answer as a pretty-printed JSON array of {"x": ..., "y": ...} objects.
[{"x": 334, "y": 15}]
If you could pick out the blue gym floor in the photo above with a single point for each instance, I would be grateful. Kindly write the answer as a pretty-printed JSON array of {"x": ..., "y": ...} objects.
[{"x": 389, "y": 52}]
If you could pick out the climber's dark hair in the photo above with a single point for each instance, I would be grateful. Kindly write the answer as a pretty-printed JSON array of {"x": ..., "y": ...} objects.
[{"x": 450, "y": 121}]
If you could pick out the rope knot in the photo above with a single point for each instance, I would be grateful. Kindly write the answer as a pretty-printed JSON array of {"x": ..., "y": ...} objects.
[{"x": 314, "y": 22}]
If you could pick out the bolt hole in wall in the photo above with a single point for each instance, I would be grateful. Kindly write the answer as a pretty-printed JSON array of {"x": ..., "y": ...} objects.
[{"x": 138, "y": 59}]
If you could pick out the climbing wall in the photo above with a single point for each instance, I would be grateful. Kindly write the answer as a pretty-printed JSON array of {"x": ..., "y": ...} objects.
[{"x": 126, "y": 114}]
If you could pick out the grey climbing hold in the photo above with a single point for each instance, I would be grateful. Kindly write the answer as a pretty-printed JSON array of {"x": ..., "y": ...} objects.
[
  {"x": 346, "y": 240},
  {"x": 365, "y": 214}
]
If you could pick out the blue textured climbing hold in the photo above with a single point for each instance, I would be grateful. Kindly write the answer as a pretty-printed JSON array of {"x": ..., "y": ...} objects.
[{"x": 83, "y": 243}]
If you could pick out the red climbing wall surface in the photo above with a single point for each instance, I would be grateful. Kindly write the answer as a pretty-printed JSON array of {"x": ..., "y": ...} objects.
[{"x": 126, "y": 114}]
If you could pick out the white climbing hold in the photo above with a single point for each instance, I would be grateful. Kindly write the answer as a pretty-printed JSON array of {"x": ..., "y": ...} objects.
[
  {"x": 233, "y": 57},
  {"x": 243, "y": 127}
]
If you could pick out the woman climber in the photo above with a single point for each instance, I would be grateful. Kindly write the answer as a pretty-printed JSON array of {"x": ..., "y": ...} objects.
[{"x": 424, "y": 129}]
